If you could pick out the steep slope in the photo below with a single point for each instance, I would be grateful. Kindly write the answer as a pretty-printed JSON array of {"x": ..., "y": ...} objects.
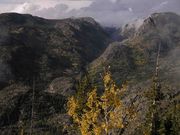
[
  {"x": 66, "y": 43},
  {"x": 47, "y": 56},
  {"x": 134, "y": 60},
  {"x": 138, "y": 52}
]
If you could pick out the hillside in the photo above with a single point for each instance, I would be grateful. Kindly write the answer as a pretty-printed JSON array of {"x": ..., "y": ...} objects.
[{"x": 47, "y": 56}]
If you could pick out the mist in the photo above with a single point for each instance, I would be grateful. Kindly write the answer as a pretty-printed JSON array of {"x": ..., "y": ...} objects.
[{"x": 106, "y": 12}]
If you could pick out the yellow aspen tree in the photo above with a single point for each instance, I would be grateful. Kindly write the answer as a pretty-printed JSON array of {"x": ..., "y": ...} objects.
[
  {"x": 89, "y": 120},
  {"x": 72, "y": 105},
  {"x": 101, "y": 114},
  {"x": 111, "y": 105}
]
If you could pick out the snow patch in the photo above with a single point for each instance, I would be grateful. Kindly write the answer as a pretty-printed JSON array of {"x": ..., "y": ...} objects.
[{"x": 135, "y": 25}]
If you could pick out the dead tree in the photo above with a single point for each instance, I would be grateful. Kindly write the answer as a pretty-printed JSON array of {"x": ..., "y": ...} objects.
[
  {"x": 156, "y": 99},
  {"x": 32, "y": 107}
]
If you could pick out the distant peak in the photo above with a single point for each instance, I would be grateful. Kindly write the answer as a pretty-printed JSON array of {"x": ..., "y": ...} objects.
[{"x": 88, "y": 19}]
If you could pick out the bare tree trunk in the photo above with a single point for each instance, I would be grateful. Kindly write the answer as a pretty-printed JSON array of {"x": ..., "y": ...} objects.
[
  {"x": 154, "y": 116},
  {"x": 32, "y": 109},
  {"x": 22, "y": 131},
  {"x": 157, "y": 60}
]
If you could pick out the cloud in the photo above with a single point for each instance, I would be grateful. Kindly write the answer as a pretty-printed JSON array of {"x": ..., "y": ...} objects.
[
  {"x": 59, "y": 11},
  {"x": 25, "y": 8},
  {"x": 107, "y": 12}
]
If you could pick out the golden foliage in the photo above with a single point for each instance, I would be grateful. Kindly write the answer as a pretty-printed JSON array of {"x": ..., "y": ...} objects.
[
  {"x": 72, "y": 105},
  {"x": 101, "y": 114}
]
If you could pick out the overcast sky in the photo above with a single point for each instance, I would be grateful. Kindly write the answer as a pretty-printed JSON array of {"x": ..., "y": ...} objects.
[{"x": 107, "y": 12}]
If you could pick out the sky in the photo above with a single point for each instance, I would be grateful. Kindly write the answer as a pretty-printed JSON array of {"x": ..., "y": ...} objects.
[{"x": 106, "y": 12}]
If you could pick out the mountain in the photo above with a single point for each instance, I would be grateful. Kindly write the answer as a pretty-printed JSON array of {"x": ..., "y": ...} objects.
[
  {"x": 42, "y": 61},
  {"x": 31, "y": 45},
  {"x": 133, "y": 60},
  {"x": 44, "y": 56},
  {"x": 139, "y": 50}
]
